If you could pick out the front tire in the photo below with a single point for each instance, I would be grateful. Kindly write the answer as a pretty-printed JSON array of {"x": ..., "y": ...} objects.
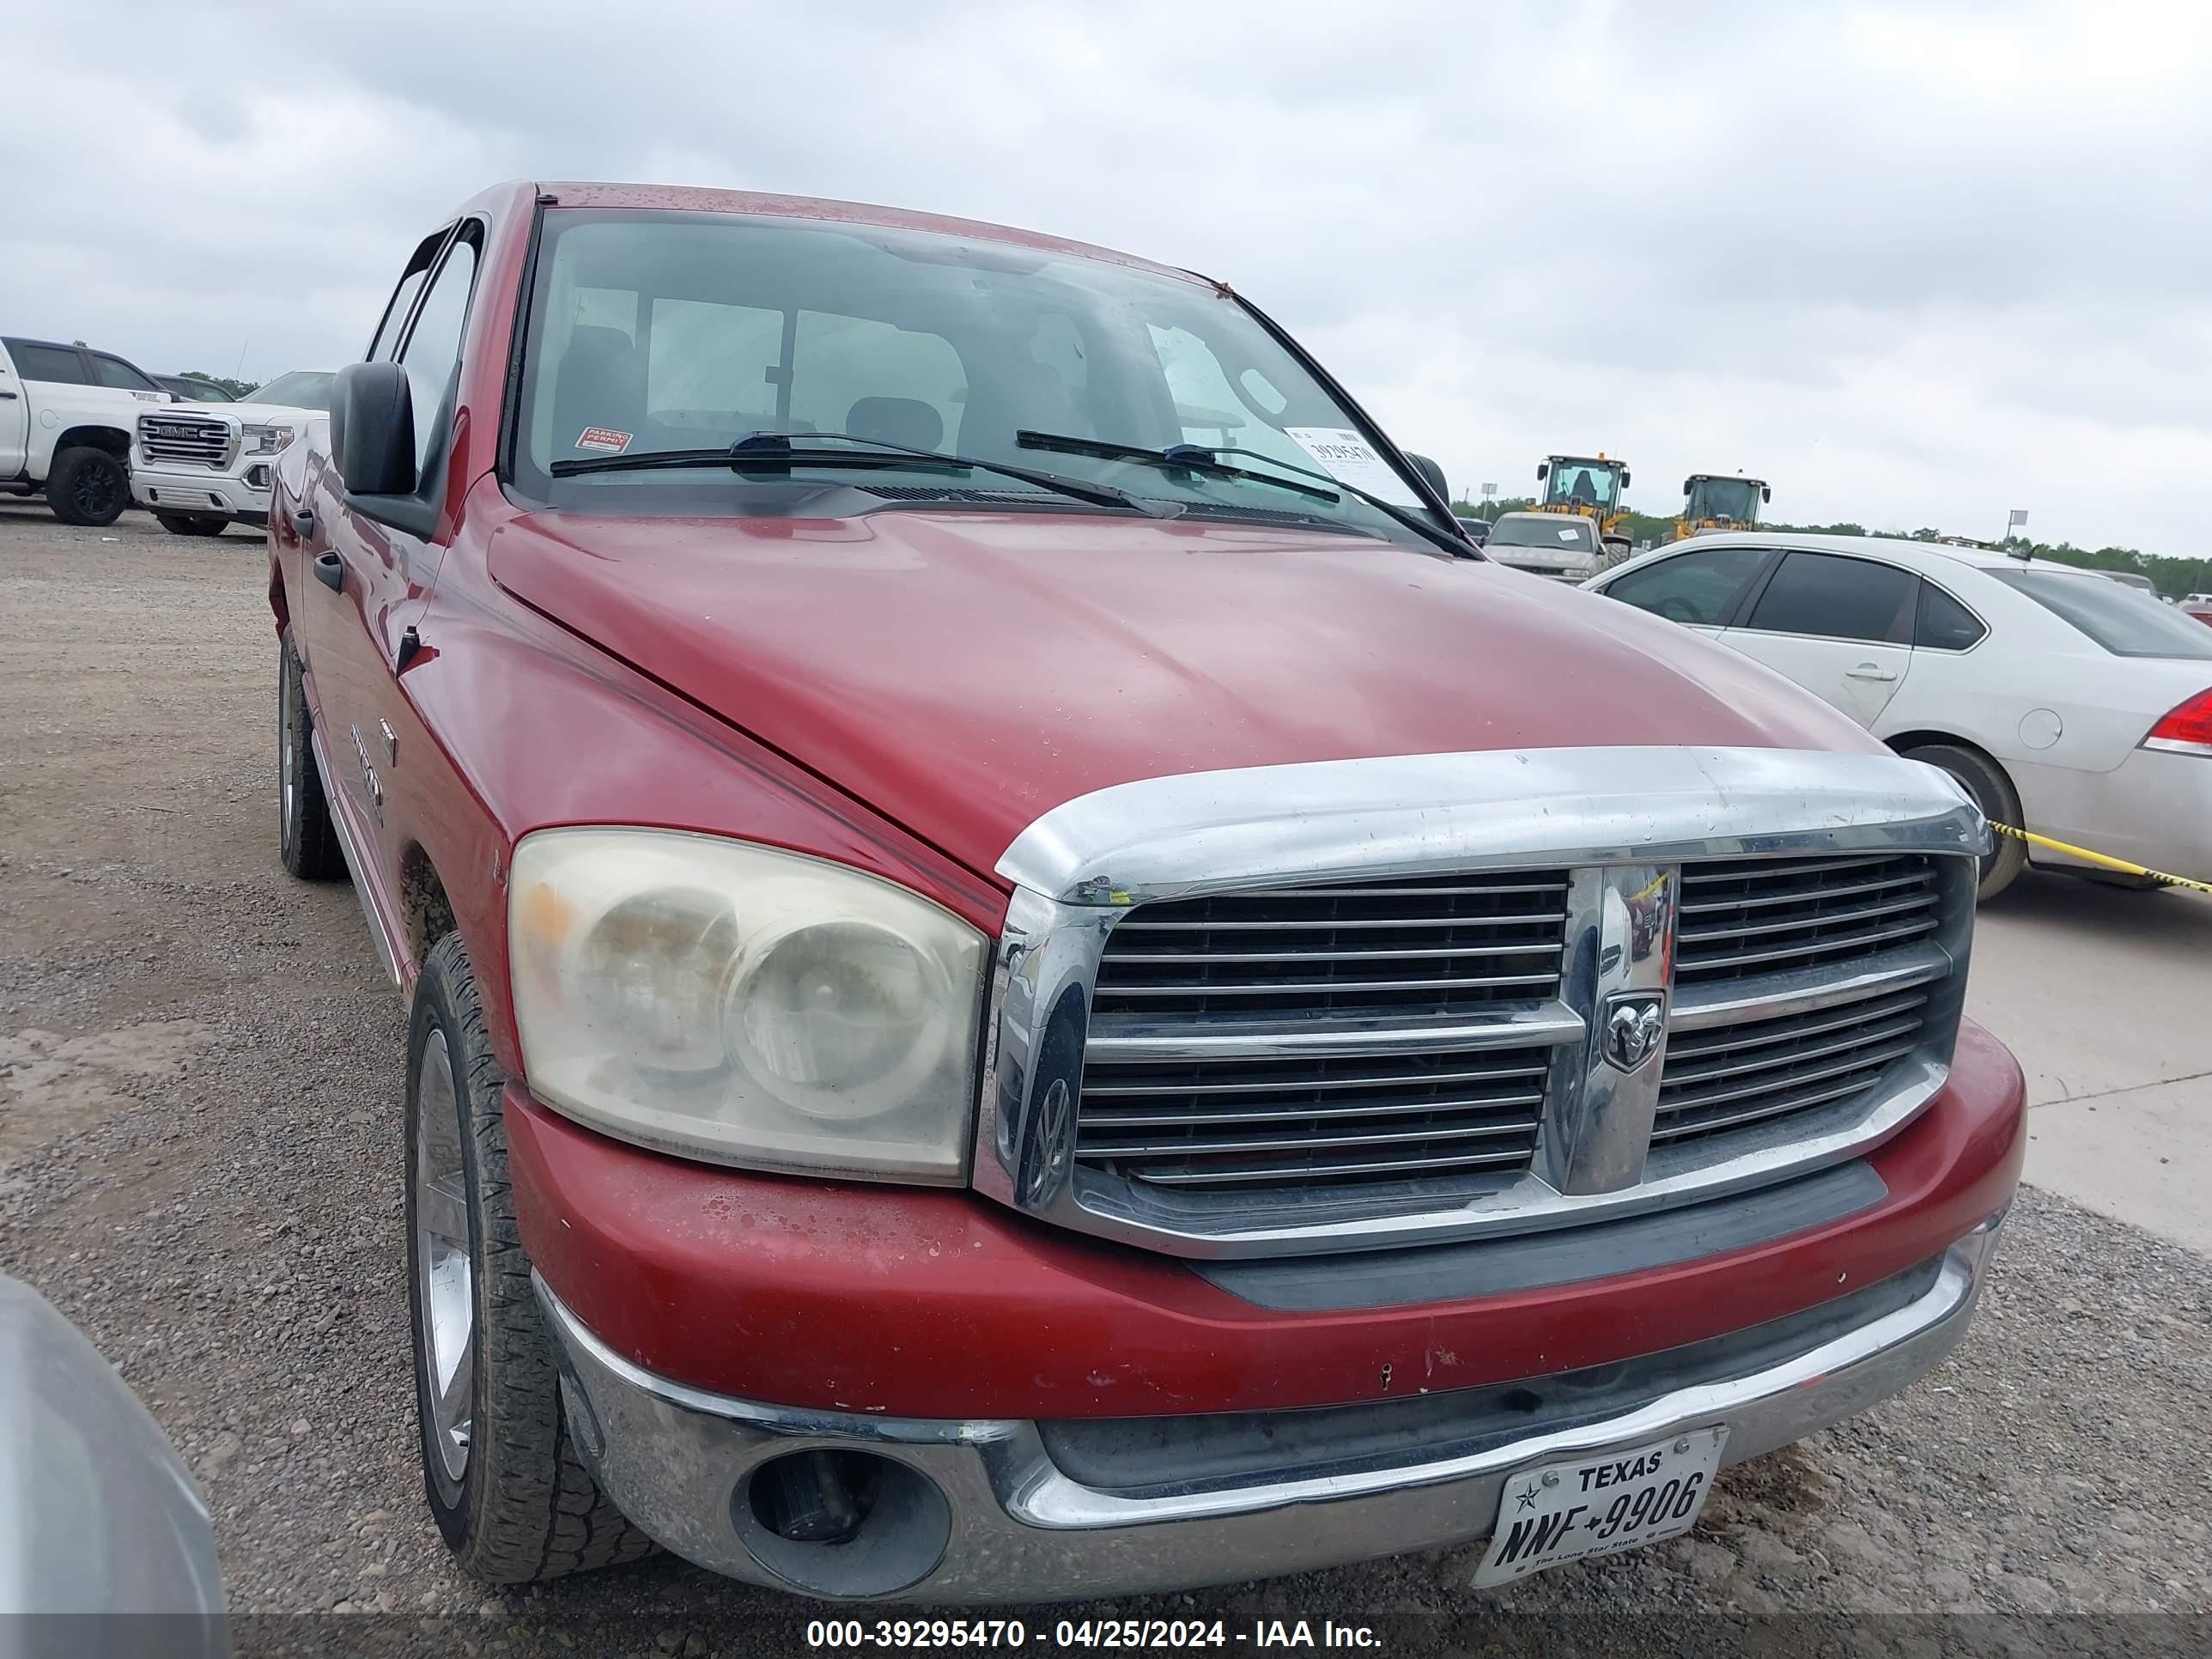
[
  {"x": 1984, "y": 780},
  {"x": 192, "y": 524},
  {"x": 512, "y": 1498},
  {"x": 88, "y": 487},
  {"x": 306, "y": 840}
]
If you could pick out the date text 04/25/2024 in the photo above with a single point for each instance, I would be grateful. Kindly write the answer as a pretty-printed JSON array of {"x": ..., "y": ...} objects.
[{"x": 1087, "y": 1634}]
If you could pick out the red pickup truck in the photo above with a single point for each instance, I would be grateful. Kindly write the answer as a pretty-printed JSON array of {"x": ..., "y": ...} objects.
[{"x": 1028, "y": 979}]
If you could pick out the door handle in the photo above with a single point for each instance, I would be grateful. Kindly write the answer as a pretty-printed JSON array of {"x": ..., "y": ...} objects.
[
  {"x": 7, "y": 396},
  {"x": 1870, "y": 671},
  {"x": 330, "y": 571},
  {"x": 303, "y": 520}
]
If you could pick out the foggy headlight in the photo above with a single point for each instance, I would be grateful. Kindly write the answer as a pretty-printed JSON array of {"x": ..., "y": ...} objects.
[
  {"x": 266, "y": 439},
  {"x": 726, "y": 1001}
]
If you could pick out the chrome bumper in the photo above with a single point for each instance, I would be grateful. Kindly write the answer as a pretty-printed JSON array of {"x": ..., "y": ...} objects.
[{"x": 981, "y": 1513}]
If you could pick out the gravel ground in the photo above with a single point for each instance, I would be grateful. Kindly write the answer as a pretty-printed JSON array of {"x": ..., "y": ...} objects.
[{"x": 200, "y": 1161}]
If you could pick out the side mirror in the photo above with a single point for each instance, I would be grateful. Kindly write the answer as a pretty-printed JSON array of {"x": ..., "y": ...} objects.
[
  {"x": 1623, "y": 477},
  {"x": 1435, "y": 475},
  {"x": 1543, "y": 470},
  {"x": 372, "y": 429},
  {"x": 1765, "y": 492},
  {"x": 1687, "y": 483}
]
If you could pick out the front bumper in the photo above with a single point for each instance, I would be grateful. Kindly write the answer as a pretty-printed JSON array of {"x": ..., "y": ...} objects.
[
  {"x": 979, "y": 1510},
  {"x": 242, "y": 495}
]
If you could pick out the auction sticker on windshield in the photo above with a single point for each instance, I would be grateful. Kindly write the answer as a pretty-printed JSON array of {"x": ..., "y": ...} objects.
[
  {"x": 1344, "y": 454},
  {"x": 1569, "y": 1511}
]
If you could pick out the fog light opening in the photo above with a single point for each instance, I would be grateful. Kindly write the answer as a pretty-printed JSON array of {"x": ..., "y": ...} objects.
[
  {"x": 816, "y": 1496},
  {"x": 840, "y": 1523}
]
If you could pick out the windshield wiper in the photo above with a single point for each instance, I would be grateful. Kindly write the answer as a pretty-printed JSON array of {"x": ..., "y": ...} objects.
[
  {"x": 1204, "y": 460},
  {"x": 774, "y": 451},
  {"x": 1187, "y": 457}
]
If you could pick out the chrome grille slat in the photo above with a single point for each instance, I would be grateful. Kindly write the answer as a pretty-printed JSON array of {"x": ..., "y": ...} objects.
[
  {"x": 1693, "y": 935},
  {"x": 1337, "y": 1170},
  {"x": 1857, "y": 1061},
  {"x": 1846, "y": 1042},
  {"x": 1697, "y": 1045},
  {"x": 1670, "y": 1129},
  {"x": 1263, "y": 925},
  {"x": 1298, "y": 1143},
  {"x": 1270, "y": 987},
  {"x": 1124, "y": 1117},
  {"x": 1317, "y": 1080},
  {"x": 1429, "y": 953},
  {"x": 1849, "y": 942},
  {"x": 1764, "y": 900},
  {"x": 1695, "y": 875}
]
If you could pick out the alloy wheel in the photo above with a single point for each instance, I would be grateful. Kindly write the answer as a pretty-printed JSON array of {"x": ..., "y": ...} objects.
[{"x": 446, "y": 1293}]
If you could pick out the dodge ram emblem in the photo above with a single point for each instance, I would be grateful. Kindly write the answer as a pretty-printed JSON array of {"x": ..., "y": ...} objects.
[{"x": 1633, "y": 1026}]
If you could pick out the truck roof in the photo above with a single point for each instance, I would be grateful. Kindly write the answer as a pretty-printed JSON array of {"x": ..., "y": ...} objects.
[{"x": 690, "y": 198}]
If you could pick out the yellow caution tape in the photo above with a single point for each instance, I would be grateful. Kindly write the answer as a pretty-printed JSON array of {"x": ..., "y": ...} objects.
[{"x": 2083, "y": 853}]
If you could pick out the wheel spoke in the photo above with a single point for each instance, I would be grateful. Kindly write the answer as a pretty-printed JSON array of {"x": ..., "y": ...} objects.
[{"x": 441, "y": 1212}]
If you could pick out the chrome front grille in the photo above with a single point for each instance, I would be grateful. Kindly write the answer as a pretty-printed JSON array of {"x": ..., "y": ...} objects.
[
  {"x": 1746, "y": 917},
  {"x": 1311, "y": 1122},
  {"x": 196, "y": 439},
  {"x": 1430, "y": 946},
  {"x": 1360, "y": 1004},
  {"x": 1731, "y": 1075}
]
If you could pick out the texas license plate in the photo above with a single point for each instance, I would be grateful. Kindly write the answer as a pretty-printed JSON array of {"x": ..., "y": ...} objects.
[{"x": 1568, "y": 1511}]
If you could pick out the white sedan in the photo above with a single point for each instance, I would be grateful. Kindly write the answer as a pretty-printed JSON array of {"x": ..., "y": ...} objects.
[{"x": 2067, "y": 705}]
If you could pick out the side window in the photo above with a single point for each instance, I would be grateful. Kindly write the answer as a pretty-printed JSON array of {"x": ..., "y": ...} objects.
[
  {"x": 1944, "y": 625},
  {"x": 114, "y": 371},
  {"x": 385, "y": 347},
  {"x": 1831, "y": 597},
  {"x": 57, "y": 364},
  {"x": 432, "y": 354},
  {"x": 1693, "y": 588}
]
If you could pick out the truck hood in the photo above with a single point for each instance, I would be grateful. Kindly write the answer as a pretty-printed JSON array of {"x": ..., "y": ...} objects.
[
  {"x": 964, "y": 672},
  {"x": 250, "y": 413}
]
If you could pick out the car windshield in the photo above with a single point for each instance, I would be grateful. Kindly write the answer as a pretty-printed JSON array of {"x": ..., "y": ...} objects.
[
  {"x": 1735, "y": 501},
  {"x": 1558, "y": 534},
  {"x": 199, "y": 392},
  {"x": 1583, "y": 484},
  {"x": 654, "y": 332},
  {"x": 301, "y": 389},
  {"x": 2125, "y": 622}
]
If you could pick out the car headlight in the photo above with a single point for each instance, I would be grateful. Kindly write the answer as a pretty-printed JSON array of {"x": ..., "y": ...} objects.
[
  {"x": 267, "y": 440},
  {"x": 725, "y": 1002}
]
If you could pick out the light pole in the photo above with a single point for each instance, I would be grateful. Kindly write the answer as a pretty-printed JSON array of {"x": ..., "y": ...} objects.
[{"x": 1489, "y": 495}]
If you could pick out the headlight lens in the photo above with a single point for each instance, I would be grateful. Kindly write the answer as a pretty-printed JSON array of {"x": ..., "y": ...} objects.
[
  {"x": 267, "y": 440},
  {"x": 726, "y": 1001}
]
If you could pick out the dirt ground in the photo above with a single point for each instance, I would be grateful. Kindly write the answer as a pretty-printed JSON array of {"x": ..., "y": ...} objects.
[{"x": 200, "y": 1164}]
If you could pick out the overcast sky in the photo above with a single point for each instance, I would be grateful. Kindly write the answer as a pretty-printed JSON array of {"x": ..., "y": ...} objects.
[{"x": 1916, "y": 264}]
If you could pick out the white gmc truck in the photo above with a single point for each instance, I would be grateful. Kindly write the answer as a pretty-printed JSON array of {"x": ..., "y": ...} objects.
[
  {"x": 201, "y": 468},
  {"x": 66, "y": 418}
]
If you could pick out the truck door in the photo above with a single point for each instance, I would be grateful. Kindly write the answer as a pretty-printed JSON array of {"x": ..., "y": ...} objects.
[
  {"x": 370, "y": 579},
  {"x": 1839, "y": 625},
  {"x": 15, "y": 418}
]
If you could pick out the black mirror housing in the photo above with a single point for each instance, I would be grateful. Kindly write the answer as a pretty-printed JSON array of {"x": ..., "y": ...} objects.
[
  {"x": 1623, "y": 477},
  {"x": 1435, "y": 475},
  {"x": 1543, "y": 470},
  {"x": 372, "y": 429},
  {"x": 1766, "y": 492}
]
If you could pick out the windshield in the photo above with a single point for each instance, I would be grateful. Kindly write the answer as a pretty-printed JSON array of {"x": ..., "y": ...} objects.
[
  {"x": 301, "y": 389},
  {"x": 1733, "y": 500},
  {"x": 1583, "y": 484},
  {"x": 1556, "y": 533},
  {"x": 197, "y": 391},
  {"x": 2125, "y": 622},
  {"x": 663, "y": 332}
]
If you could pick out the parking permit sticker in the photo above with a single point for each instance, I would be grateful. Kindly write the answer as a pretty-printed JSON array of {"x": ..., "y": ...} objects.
[
  {"x": 603, "y": 437},
  {"x": 1571, "y": 535},
  {"x": 1343, "y": 453}
]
